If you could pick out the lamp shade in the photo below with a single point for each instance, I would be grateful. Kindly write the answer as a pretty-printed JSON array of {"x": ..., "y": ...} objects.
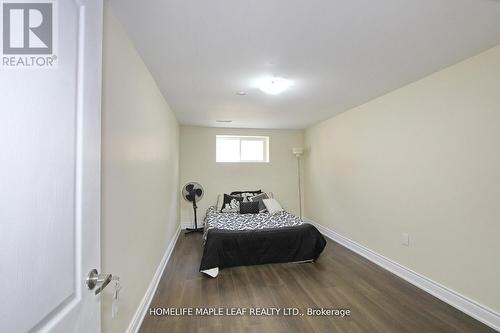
[{"x": 298, "y": 151}]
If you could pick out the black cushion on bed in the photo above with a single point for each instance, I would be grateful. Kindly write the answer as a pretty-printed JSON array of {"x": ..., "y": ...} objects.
[
  {"x": 259, "y": 198},
  {"x": 228, "y": 198},
  {"x": 249, "y": 207},
  {"x": 241, "y": 192}
]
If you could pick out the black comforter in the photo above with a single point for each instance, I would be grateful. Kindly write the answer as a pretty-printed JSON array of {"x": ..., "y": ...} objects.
[{"x": 227, "y": 248}]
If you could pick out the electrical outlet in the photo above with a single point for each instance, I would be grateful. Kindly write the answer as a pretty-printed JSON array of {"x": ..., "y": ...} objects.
[{"x": 405, "y": 239}]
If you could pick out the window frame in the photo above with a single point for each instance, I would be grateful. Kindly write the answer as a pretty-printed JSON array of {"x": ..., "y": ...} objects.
[{"x": 241, "y": 138}]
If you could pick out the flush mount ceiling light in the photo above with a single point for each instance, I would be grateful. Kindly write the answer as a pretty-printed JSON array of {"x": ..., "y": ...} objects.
[
  {"x": 241, "y": 93},
  {"x": 223, "y": 121},
  {"x": 273, "y": 85}
]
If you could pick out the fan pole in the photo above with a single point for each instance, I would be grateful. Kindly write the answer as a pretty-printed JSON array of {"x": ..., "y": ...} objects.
[
  {"x": 195, "y": 207},
  {"x": 195, "y": 229}
]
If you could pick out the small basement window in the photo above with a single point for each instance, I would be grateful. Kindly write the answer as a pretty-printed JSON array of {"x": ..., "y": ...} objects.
[{"x": 242, "y": 149}]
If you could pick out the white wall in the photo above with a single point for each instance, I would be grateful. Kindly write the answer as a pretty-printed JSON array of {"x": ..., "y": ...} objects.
[
  {"x": 198, "y": 164},
  {"x": 424, "y": 159},
  {"x": 140, "y": 155}
]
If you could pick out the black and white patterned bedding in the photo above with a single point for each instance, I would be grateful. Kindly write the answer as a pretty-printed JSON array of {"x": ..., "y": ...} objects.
[{"x": 237, "y": 221}]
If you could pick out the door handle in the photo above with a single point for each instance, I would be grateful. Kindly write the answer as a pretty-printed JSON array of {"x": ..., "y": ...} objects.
[{"x": 100, "y": 280}]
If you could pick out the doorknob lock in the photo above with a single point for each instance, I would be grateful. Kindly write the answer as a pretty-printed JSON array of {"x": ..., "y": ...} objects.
[{"x": 100, "y": 280}]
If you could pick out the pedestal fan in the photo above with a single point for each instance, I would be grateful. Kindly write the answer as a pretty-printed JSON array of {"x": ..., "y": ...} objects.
[{"x": 193, "y": 192}]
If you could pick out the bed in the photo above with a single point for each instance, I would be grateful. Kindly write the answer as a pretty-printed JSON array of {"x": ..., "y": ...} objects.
[{"x": 234, "y": 239}]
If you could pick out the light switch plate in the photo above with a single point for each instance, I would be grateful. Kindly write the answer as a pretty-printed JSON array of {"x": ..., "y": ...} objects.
[{"x": 405, "y": 239}]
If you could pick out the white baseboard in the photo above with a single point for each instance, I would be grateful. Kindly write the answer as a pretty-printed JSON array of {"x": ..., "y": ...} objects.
[
  {"x": 462, "y": 303},
  {"x": 141, "y": 311}
]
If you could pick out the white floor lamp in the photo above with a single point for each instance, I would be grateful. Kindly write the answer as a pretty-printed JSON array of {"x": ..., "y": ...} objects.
[{"x": 298, "y": 153}]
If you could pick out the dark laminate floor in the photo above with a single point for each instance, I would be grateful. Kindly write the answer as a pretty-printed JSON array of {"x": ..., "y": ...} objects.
[{"x": 379, "y": 301}]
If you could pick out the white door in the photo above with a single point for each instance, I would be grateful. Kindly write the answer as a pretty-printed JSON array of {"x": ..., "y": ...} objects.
[{"x": 50, "y": 166}]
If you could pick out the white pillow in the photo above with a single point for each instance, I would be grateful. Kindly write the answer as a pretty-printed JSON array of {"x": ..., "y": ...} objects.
[{"x": 272, "y": 205}]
